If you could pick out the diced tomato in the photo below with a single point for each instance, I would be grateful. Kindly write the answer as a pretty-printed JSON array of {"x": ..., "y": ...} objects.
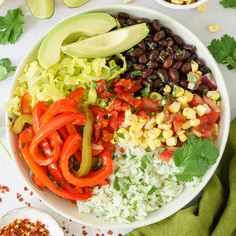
[
  {"x": 205, "y": 128},
  {"x": 103, "y": 91},
  {"x": 150, "y": 104},
  {"x": 106, "y": 135},
  {"x": 118, "y": 105},
  {"x": 166, "y": 155},
  {"x": 197, "y": 100},
  {"x": 25, "y": 104},
  {"x": 96, "y": 132},
  {"x": 116, "y": 121},
  {"x": 214, "y": 115},
  {"x": 131, "y": 100},
  {"x": 179, "y": 120},
  {"x": 127, "y": 85},
  {"x": 109, "y": 146},
  {"x": 143, "y": 114},
  {"x": 97, "y": 149},
  {"x": 98, "y": 111}
]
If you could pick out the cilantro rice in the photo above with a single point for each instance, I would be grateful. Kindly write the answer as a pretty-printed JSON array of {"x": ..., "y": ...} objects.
[{"x": 140, "y": 184}]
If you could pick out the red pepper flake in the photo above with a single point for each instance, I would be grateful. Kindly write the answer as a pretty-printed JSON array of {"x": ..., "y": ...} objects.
[
  {"x": 102, "y": 235},
  {"x": 84, "y": 233},
  {"x": 83, "y": 227},
  {"x": 64, "y": 228},
  {"x": 18, "y": 195},
  {"x": 110, "y": 232},
  {"x": 121, "y": 149},
  {"x": 28, "y": 204},
  {"x": 31, "y": 193},
  {"x": 0, "y": 199},
  {"x": 120, "y": 234},
  {"x": 25, "y": 227},
  {"x": 97, "y": 234},
  {"x": 4, "y": 189},
  {"x": 21, "y": 199},
  {"x": 25, "y": 188}
]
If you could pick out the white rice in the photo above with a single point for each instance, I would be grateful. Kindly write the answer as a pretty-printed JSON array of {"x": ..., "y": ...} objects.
[{"x": 146, "y": 183}]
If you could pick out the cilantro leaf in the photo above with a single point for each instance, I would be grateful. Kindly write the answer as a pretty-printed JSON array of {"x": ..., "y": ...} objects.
[
  {"x": 228, "y": 3},
  {"x": 116, "y": 184},
  {"x": 224, "y": 51},
  {"x": 145, "y": 92},
  {"x": 5, "y": 68},
  {"x": 195, "y": 157},
  {"x": 121, "y": 135},
  {"x": 11, "y": 26}
]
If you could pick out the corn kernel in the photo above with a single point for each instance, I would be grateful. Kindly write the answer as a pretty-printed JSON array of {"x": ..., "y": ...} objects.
[
  {"x": 171, "y": 142},
  {"x": 157, "y": 143},
  {"x": 136, "y": 127},
  {"x": 167, "y": 133},
  {"x": 155, "y": 95},
  {"x": 214, "y": 28},
  {"x": 214, "y": 95},
  {"x": 167, "y": 89},
  {"x": 151, "y": 144},
  {"x": 194, "y": 66},
  {"x": 125, "y": 135},
  {"x": 153, "y": 133},
  {"x": 136, "y": 141},
  {"x": 194, "y": 122},
  {"x": 129, "y": 119},
  {"x": 203, "y": 109},
  {"x": 174, "y": 107},
  {"x": 150, "y": 124},
  {"x": 144, "y": 143},
  {"x": 198, "y": 134},
  {"x": 189, "y": 95},
  {"x": 215, "y": 130},
  {"x": 182, "y": 138},
  {"x": 133, "y": 133},
  {"x": 180, "y": 132},
  {"x": 189, "y": 113},
  {"x": 160, "y": 118},
  {"x": 186, "y": 125},
  {"x": 179, "y": 2},
  {"x": 183, "y": 100},
  {"x": 163, "y": 140},
  {"x": 165, "y": 126},
  {"x": 177, "y": 91},
  {"x": 202, "y": 8}
]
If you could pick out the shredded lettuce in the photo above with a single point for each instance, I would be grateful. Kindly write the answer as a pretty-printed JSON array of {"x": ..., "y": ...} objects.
[{"x": 61, "y": 79}]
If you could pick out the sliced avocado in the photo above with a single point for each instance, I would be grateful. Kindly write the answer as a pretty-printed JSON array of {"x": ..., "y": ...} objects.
[
  {"x": 108, "y": 44},
  {"x": 89, "y": 24},
  {"x": 42, "y": 9},
  {"x": 75, "y": 3}
]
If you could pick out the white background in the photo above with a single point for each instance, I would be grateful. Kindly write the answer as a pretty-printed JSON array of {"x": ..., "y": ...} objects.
[{"x": 33, "y": 28}]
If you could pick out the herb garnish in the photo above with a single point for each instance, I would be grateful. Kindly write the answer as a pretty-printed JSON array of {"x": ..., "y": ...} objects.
[{"x": 5, "y": 68}]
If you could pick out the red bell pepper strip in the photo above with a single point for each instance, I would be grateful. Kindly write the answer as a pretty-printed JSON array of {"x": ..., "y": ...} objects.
[
  {"x": 25, "y": 104},
  {"x": 24, "y": 142},
  {"x": 63, "y": 133},
  {"x": 91, "y": 179},
  {"x": 71, "y": 129},
  {"x": 46, "y": 131},
  {"x": 55, "y": 171},
  {"x": 58, "y": 107},
  {"x": 77, "y": 95},
  {"x": 38, "y": 183},
  {"x": 131, "y": 100}
]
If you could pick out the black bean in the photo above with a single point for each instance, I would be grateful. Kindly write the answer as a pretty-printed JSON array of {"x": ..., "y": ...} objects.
[
  {"x": 202, "y": 89},
  {"x": 153, "y": 55},
  {"x": 139, "y": 67},
  {"x": 142, "y": 46},
  {"x": 121, "y": 21},
  {"x": 167, "y": 31},
  {"x": 143, "y": 59},
  {"x": 173, "y": 83},
  {"x": 130, "y": 22},
  {"x": 173, "y": 75},
  {"x": 192, "y": 57},
  {"x": 200, "y": 62},
  {"x": 186, "y": 67},
  {"x": 205, "y": 69},
  {"x": 156, "y": 25},
  {"x": 142, "y": 20},
  {"x": 170, "y": 52},
  {"x": 135, "y": 52},
  {"x": 163, "y": 43},
  {"x": 184, "y": 83},
  {"x": 145, "y": 82},
  {"x": 179, "y": 41},
  {"x": 134, "y": 59},
  {"x": 156, "y": 84},
  {"x": 162, "y": 74},
  {"x": 167, "y": 63},
  {"x": 182, "y": 55},
  {"x": 189, "y": 47},
  {"x": 153, "y": 64},
  {"x": 170, "y": 42},
  {"x": 123, "y": 15},
  {"x": 158, "y": 36},
  {"x": 148, "y": 71},
  {"x": 177, "y": 65}
]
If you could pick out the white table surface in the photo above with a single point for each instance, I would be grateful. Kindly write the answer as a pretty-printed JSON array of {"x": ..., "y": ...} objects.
[{"x": 33, "y": 28}]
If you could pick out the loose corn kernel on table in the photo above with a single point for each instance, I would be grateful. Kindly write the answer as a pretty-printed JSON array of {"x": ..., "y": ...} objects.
[{"x": 201, "y": 22}]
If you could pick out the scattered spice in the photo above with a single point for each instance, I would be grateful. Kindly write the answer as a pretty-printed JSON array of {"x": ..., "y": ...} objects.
[
  {"x": 24, "y": 227},
  {"x": 4, "y": 189},
  {"x": 110, "y": 232}
]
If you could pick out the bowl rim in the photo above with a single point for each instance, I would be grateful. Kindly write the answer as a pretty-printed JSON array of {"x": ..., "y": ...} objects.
[
  {"x": 206, "y": 177},
  {"x": 181, "y": 7}
]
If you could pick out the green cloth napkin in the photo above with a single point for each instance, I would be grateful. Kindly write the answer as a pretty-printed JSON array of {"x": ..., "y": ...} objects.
[{"x": 215, "y": 214}]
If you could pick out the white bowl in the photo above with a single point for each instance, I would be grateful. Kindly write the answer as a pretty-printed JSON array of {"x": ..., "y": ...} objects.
[
  {"x": 33, "y": 215},
  {"x": 181, "y": 7},
  {"x": 68, "y": 210}
]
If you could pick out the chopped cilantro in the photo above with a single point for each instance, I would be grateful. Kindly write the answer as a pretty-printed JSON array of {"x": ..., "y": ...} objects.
[
  {"x": 145, "y": 92},
  {"x": 228, "y": 3},
  {"x": 130, "y": 218},
  {"x": 116, "y": 184},
  {"x": 137, "y": 73},
  {"x": 121, "y": 135},
  {"x": 152, "y": 190}
]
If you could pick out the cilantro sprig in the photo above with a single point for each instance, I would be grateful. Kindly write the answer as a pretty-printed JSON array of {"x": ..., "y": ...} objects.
[
  {"x": 195, "y": 157},
  {"x": 228, "y": 3},
  {"x": 11, "y": 26},
  {"x": 5, "y": 68},
  {"x": 224, "y": 51}
]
